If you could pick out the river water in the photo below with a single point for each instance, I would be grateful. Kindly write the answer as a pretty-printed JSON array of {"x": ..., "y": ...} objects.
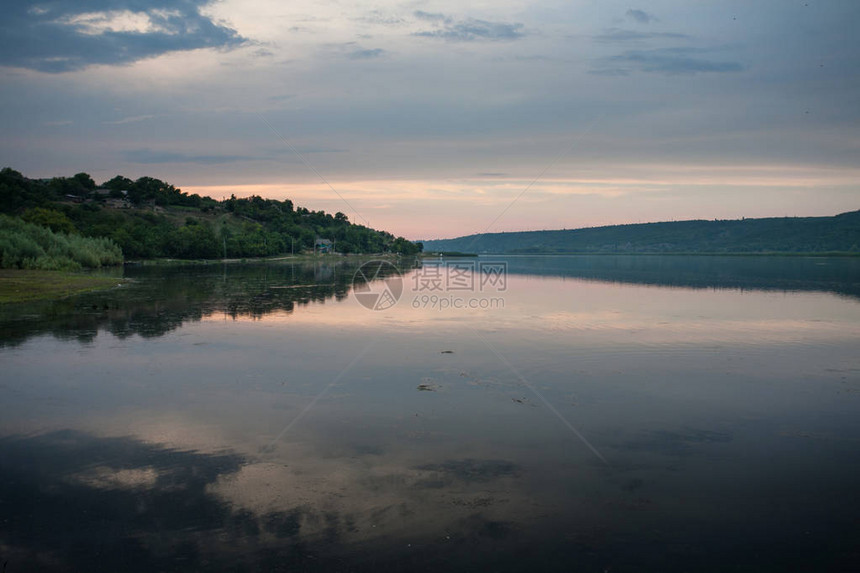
[{"x": 499, "y": 414}]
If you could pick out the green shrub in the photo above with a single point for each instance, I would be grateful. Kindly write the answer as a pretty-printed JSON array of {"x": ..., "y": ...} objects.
[
  {"x": 54, "y": 220},
  {"x": 29, "y": 246}
]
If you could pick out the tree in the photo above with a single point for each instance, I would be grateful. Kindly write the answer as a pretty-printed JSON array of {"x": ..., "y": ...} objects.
[
  {"x": 402, "y": 246},
  {"x": 84, "y": 180},
  {"x": 7, "y": 174},
  {"x": 117, "y": 185},
  {"x": 155, "y": 190},
  {"x": 194, "y": 241},
  {"x": 54, "y": 220},
  {"x": 247, "y": 227}
]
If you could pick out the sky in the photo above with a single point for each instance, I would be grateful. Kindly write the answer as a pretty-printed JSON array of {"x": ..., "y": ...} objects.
[{"x": 436, "y": 119}]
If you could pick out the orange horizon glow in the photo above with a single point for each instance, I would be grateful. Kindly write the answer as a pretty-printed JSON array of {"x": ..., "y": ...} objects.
[{"x": 433, "y": 209}]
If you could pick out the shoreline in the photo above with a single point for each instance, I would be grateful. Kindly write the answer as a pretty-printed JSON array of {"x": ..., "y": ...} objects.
[
  {"x": 257, "y": 260},
  {"x": 27, "y": 285}
]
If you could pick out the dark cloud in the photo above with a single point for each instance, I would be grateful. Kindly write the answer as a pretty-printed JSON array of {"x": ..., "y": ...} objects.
[
  {"x": 640, "y": 16},
  {"x": 620, "y": 35},
  {"x": 152, "y": 157},
  {"x": 304, "y": 149},
  {"x": 468, "y": 30},
  {"x": 280, "y": 98},
  {"x": 432, "y": 16},
  {"x": 611, "y": 72},
  {"x": 129, "y": 119},
  {"x": 667, "y": 61},
  {"x": 149, "y": 157},
  {"x": 380, "y": 17},
  {"x": 354, "y": 51},
  {"x": 527, "y": 58},
  {"x": 67, "y": 35},
  {"x": 366, "y": 54}
]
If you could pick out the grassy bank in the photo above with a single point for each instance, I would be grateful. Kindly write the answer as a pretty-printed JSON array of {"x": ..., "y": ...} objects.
[{"x": 27, "y": 285}]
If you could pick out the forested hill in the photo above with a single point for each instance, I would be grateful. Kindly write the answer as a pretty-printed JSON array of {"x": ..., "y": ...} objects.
[
  {"x": 773, "y": 235},
  {"x": 151, "y": 218}
]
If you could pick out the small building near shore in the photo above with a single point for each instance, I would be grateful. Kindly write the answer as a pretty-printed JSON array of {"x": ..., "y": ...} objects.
[{"x": 323, "y": 246}]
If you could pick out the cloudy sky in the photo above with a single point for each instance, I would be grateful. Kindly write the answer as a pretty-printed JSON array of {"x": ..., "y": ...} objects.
[{"x": 440, "y": 118}]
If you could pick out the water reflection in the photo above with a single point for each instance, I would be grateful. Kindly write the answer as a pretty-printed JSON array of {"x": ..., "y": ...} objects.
[
  {"x": 728, "y": 418},
  {"x": 74, "y": 501},
  {"x": 840, "y": 275},
  {"x": 159, "y": 300}
]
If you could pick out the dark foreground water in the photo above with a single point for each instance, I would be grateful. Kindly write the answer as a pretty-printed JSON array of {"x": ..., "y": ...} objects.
[{"x": 560, "y": 414}]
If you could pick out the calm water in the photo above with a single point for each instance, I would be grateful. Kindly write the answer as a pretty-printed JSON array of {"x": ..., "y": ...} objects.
[{"x": 588, "y": 414}]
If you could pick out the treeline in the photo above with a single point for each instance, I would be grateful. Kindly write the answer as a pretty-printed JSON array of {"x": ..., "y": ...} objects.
[
  {"x": 28, "y": 246},
  {"x": 150, "y": 218},
  {"x": 838, "y": 234}
]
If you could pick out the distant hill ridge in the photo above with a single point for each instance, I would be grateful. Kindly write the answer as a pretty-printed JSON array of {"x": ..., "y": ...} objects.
[{"x": 791, "y": 235}]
